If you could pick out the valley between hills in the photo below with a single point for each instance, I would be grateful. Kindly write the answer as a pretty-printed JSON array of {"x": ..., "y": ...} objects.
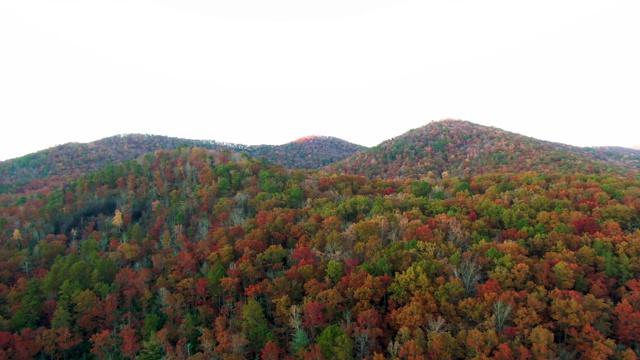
[{"x": 451, "y": 241}]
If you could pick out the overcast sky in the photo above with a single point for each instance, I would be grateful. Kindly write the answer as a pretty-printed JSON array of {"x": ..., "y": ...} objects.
[{"x": 257, "y": 72}]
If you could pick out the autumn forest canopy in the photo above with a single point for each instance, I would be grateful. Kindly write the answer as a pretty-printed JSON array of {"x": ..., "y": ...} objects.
[{"x": 452, "y": 241}]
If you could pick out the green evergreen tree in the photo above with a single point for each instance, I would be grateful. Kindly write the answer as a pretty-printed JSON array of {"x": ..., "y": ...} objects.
[
  {"x": 300, "y": 341},
  {"x": 335, "y": 344},
  {"x": 254, "y": 325},
  {"x": 151, "y": 350}
]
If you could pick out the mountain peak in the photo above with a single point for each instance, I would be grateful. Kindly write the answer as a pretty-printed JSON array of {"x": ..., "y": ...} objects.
[
  {"x": 310, "y": 138},
  {"x": 463, "y": 148}
]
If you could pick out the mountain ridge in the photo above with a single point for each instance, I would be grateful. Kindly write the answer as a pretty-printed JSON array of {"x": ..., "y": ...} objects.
[
  {"x": 75, "y": 159},
  {"x": 448, "y": 146},
  {"x": 193, "y": 253},
  {"x": 463, "y": 148}
]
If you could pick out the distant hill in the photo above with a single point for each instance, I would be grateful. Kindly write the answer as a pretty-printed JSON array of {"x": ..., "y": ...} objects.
[
  {"x": 53, "y": 165},
  {"x": 310, "y": 152},
  {"x": 463, "y": 148},
  {"x": 453, "y": 147},
  {"x": 626, "y": 157}
]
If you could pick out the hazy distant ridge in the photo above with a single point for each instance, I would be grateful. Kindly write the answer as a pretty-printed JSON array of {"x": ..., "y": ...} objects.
[
  {"x": 75, "y": 159},
  {"x": 452, "y": 147}
]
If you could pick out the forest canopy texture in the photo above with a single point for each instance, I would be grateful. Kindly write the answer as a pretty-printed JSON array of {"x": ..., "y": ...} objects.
[{"x": 195, "y": 253}]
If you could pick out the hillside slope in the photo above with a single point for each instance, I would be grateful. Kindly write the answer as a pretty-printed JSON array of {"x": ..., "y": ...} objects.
[
  {"x": 191, "y": 253},
  {"x": 625, "y": 157},
  {"x": 310, "y": 152},
  {"x": 463, "y": 148},
  {"x": 53, "y": 165}
]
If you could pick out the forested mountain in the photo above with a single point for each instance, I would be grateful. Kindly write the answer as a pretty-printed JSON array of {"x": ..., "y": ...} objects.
[
  {"x": 55, "y": 165},
  {"x": 626, "y": 157},
  {"x": 310, "y": 152},
  {"x": 463, "y": 148},
  {"x": 452, "y": 147},
  {"x": 479, "y": 243},
  {"x": 201, "y": 254}
]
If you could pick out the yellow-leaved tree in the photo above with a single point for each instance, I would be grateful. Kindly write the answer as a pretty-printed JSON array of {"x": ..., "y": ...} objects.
[{"x": 117, "y": 219}]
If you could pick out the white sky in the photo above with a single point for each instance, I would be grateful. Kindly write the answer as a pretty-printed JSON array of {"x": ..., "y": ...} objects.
[{"x": 272, "y": 71}]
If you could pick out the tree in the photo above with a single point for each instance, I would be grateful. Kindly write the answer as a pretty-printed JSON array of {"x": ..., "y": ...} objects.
[
  {"x": 593, "y": 344},
  {"x": 501, "y": 312},
  {"x": 87, "y": 309},
  {"x": 542, "y": 344},
  {"x": 271, "y": 351},
  {"x": 130, "y": 344},
  {"x": 441, "y": 345},
  {"x": 627, "y": 326},
  {"x": 335, "y": 271},
  {"x": 335, "y": 344},
  {"x": 300, "y": 341},
  {"x": 66, "y": 340},
  {"x": 469, "y": 273},
  {"x": 151, "y": 350},
  {"x": 564, "y": 274},
  {"x": 26, "y": 345},
  {"x": 117, "y": 219},
  {"x": 104, "y": 344},
  {"x": 313, "y": 315},
  {"x": 478, "y": 343},
  {"x": 17, "y": 236},
  {"x": 367, "y": 328},
  {"x": 412, "y": 350},
  {"x": 254, "y": 325}
]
